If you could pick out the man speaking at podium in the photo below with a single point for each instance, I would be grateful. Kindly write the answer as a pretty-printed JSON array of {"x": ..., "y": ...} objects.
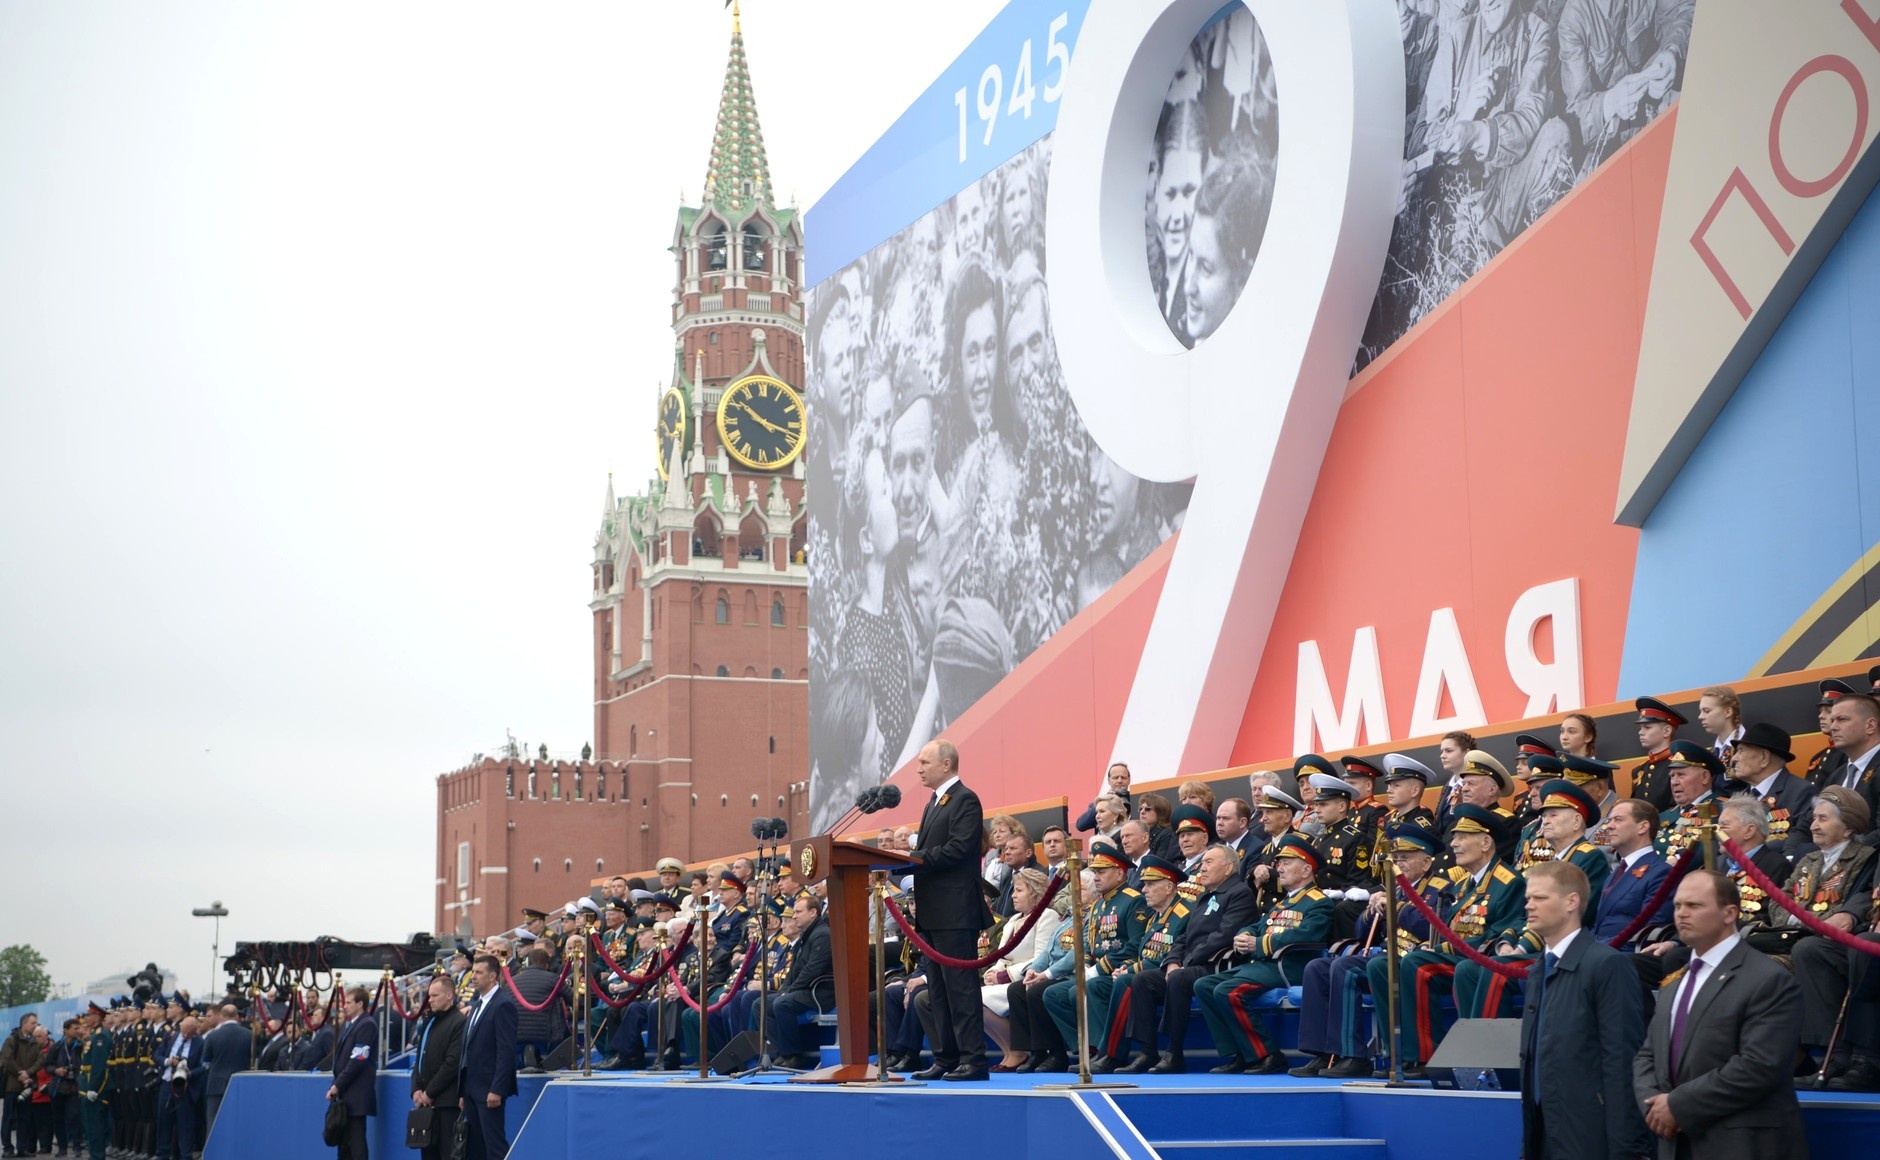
[{"x": 950, "y": 911}]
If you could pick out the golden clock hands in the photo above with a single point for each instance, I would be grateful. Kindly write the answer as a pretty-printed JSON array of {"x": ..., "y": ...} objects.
[{"x": 746, "y": 408}]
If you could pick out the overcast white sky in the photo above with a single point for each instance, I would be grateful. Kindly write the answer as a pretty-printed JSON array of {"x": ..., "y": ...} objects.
[{"x": 321, "y": 325}]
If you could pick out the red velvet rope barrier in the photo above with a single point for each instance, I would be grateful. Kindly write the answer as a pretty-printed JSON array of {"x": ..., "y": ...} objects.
[
  {"x": 731, "y": 988},
  {"x": 546, "y": 1003},
  {"x": 1678, "y": 870},
  {"x": 1438, "y": 926},
  {"x": 626, "y": 976},
  {"x": 399, "y": 1006},
  {"x": 1831, "y": 933},
  {"x": 921, "y": 945}
]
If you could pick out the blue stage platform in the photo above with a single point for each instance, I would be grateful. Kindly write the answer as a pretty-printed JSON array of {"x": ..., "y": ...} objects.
[{"x": 1193, "y": 1117}]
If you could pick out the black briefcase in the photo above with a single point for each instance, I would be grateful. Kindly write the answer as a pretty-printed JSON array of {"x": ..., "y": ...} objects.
[
  {"x": 420, "y": 1123},
  {"x": 460, "y": 1139}
]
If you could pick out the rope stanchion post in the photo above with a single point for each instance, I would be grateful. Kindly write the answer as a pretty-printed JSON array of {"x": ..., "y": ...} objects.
[
  {"x": 878, "y": 892},
  {"x": 1707, "y": 832},
  {"x": 584, "y": 1007},
  {"x": 1073, "y": 872},
  {"x": 703, "y": 1005},
  {"x": 1393, "y": 967},
  {"x": 385, "y": 1016}
]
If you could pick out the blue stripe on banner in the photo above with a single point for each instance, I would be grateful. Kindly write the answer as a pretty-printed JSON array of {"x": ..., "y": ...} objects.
[{"x": 995, "y": 100}]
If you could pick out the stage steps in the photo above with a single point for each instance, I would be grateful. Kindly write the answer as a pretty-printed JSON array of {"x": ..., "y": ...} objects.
[{"x": 1179, "y": 1126}]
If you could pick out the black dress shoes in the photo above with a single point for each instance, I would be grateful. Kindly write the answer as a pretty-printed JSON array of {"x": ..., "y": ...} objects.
[
  {"x": 1273, "y": 1064},
  {"x": 965, "y": 1073},
  {"x": 1141, "y": 1064},
  {"x": 937, "y": 1071},
  {"x": 1862, "y": 1075},
  {"x": 1171, "y": 1064},
  {"x": 1105, "y": 1064},
  {"x": 1351, "y": 1067},
  {"x": 1030, "y": 1064},
  {"x": 1233, "y": 1066},
  {"x": 1053, "y": 1063},
  {"x": 1311, "y": 1067}
]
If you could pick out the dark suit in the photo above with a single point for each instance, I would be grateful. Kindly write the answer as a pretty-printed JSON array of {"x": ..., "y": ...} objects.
[
  {"x": 1213, "y": 920},
  {"x": 435, "y": 1071},
  {"x": 179, "y": 1100},
  {"x": 224, "y": 1052},
  {"x": 1796, "y": 797},
  {"x": 949, "y": 912},
  {"x": 1577, "y": 1046},
  {"x": 275, "y": 1053},
  {"x": 315, "y": 1051},
  {"x": 1733, "y": 1094},
  {"x": 808, "y": 988},
  {"x": 1626, "y": 892},
  {"x": 489, "y": 1068},
  {"x": 355, "y": 1074}
]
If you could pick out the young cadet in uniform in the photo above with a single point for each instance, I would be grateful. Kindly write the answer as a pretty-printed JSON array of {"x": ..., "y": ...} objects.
[
  {"x": 1825, "y": 766},
  {"x": 1110, "y": 994},
  {"x": 1566, "y": 811},
  {"x": 1405, "y": 779},
  {"x": 1344, "y": 848},
  {"x": 1694, "y": 773},
  {"x": 1657, "y": 724},
  {"x": 94, "y": 1081},
  {"x": 1363, "y": 774},
  {"x": 1303, "y": 915},
  {"x": 1483, "y": 903},
  {"x": 1331, "y": 1010},
  {"x": 1113, "y": 935}
]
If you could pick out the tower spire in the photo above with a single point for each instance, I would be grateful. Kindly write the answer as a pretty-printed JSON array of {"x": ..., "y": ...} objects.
[{"x": 737, "y": 178}]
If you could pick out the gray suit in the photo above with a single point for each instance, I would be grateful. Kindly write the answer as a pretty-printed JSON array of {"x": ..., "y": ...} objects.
[{"x": 1734, "y": 1094}]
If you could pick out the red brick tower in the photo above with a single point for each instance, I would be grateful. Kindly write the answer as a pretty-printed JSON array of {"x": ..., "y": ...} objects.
[{"x": 700, "y": 596}]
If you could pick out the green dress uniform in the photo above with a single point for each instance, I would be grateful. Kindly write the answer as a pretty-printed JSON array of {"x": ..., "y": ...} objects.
[
  {"x": 1679, "y": 827},
  {"x": 94, "y": 1076},
  {"x": 1482, "y": 911},
  {"x": 1483, "y": 994},
  {"x": 1414, "y": 816},
  {"x": 1109, "y": 994},
  {"x": 1113, "y": 935},
  {"x": 1304, "y": 916}
]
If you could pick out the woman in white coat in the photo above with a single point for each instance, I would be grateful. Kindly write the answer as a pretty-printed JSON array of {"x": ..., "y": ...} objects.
[{"x": 1027, "y": 891}]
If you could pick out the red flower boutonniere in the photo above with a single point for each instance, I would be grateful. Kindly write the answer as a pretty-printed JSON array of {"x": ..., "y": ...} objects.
[{"x": 944, "y": 797}]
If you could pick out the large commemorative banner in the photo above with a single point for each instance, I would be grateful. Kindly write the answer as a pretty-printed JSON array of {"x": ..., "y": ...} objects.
[{"x": 1195, "y": 384}]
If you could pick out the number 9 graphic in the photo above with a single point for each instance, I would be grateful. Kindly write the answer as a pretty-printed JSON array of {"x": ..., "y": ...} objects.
[{"x": 1247, "y": 413}]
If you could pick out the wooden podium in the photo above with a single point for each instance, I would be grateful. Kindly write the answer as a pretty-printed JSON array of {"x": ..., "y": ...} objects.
[{"x": 846, "y": 864}]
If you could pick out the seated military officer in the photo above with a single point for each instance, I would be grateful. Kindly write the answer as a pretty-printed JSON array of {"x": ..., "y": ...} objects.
[
  {"x": 1113, "y": 937},
  {"x": 1694, "y": 773},
  {"x": 1302, "y": 916},
  {"x": 1331, "y": 1017},
  {"x": 1483, "y": 903},
  {"x": 1110, "y": 994}
]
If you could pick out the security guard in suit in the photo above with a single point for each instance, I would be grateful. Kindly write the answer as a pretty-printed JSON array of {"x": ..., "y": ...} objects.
[
  {"x": 1484, "y": 902},
  {"x": 1566, "y": 813},
  {"x": 1657, "y": 723},
  {"x": 1693, "y": 776},
  {"x": 1302, "y": 916},
  {"x": 1331, "y": 1017},
  {"x": 1168, "y": 916},
  {"x": 1113, "y": 934}
]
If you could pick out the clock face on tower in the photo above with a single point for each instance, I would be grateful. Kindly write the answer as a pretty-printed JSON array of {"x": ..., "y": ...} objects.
[
  {"x": 760, "y": 422},
  {"x": 675, "y": 423}
]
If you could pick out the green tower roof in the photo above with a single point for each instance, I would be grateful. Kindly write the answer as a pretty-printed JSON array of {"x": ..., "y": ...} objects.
[{"x": 737, "y": 178}]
